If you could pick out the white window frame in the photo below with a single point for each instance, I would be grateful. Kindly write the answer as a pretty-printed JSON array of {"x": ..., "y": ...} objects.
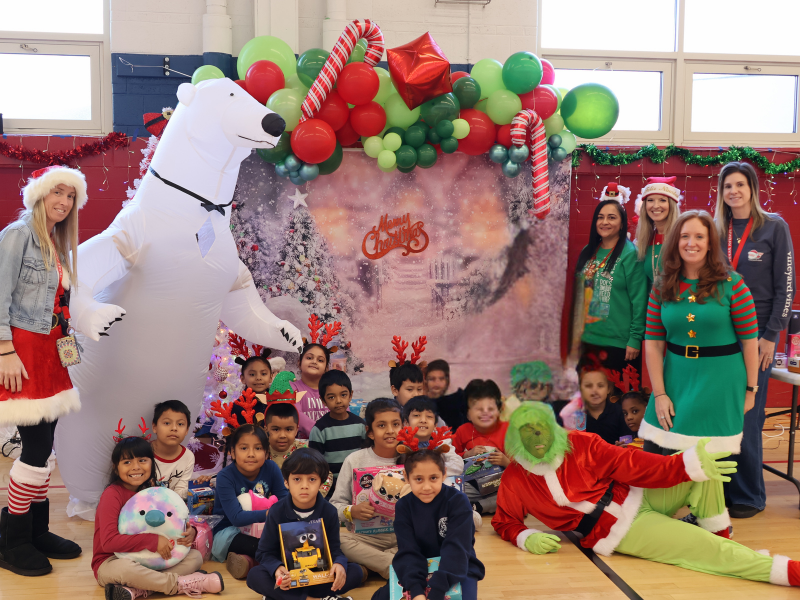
[{"x": 97, "y": 47}]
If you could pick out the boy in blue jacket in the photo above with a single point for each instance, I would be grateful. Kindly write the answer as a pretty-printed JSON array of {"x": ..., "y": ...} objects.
[{"x": 304, "y": 471}]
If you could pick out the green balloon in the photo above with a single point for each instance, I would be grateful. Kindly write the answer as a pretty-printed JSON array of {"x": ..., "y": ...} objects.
[
  {"x": 406, "y": 169},
  {"x": 206, "y": 72},
  {"x": 482, "y": 106},
  {"x": 426, "y": 156},
  {"x": 267, "y": 47},
  {"x": 359, "y": 50},
  {"x": 398, "y": 114},
  {"x": 310, "y": 64},
  {"x": 489, "y": 75},
  {"x": 329, "y": 166},
  {"x": 415, "y": 136},
  {"x": 468, "y": 91},
  {"x": 460, "y": 129},
  {"x": 444, "y": 107},
  {"x": 522, "y": 72},
  {"x": 590, "y": 110},
  {"x": 553, "y": 125},
  {"x": 406, "y": 157},
  {"x": 287, "y": 103},
  {"x": 373, "y": 146},
  {"x": 433, "y": 137},
  {"x": 502, "y": 106},
  {"x": 449, "y": 145},
  {"x": 387, "y": 159},
  {"x": 389, "y": 170},
  {"x": 557, "y": 92},
  {"x": 445, "y": 128},
  {"x": 386, "y": 88},
  {"x": 281, "y": 150},
  {"x": 294, "y": 83},
  {"x": 568, "y": 141},
  {"x": 392, "y": 141}
]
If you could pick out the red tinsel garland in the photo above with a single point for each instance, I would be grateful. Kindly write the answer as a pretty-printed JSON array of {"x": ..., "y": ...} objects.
[{"x": 62, "y": 157}]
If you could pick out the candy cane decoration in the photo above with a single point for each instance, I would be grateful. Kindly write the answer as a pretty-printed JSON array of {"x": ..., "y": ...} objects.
[
  {"x": 528, "y": 127},
  {"x": 327, "y": 77}
]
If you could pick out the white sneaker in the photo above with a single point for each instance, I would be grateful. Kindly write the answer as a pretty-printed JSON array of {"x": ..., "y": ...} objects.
[{"x": 476, "y": 518}]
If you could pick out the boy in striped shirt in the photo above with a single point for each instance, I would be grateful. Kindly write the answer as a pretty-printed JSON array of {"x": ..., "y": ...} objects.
[{"x": 339, "y": 432}]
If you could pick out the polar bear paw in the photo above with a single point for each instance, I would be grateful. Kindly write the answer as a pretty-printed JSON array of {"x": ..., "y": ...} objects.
[
  {"x": 97, "y": 318},
  {"x": 291, "y": 334}
]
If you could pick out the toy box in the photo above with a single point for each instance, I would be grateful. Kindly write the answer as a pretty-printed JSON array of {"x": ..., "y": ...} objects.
[
  {"x": 200, "y": 500},
  {"x": 358, "y": 407},
  {"x": 306, "y": 554},
  {"x": 383, "y": 499},
  {"x": 455, "y": 482},
  {"x": 793, "y": 364},
  {"x": 396, "y": 591},
  {"x": 478, "y": 466}
]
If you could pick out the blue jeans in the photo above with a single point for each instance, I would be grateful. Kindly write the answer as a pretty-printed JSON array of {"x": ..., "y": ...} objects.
[{"x": 747, "y": 484}]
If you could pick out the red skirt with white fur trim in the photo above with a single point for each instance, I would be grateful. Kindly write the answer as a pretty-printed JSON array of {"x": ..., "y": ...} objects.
[{"x": 48, "y": 394}]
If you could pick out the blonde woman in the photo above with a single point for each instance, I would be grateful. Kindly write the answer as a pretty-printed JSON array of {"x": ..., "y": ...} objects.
[
  {"x": 658, "y": 206},
  {"x": 759, "y": 247},
  {"x": 35, "y": 276}
]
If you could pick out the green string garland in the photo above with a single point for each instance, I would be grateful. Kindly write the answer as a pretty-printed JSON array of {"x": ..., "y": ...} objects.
[{"x": 656, "y": 156}]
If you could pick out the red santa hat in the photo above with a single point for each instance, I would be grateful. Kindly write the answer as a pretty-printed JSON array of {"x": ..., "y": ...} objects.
[
  {"x": 615, "y": 191},
  {"x": 44, "y": 180},
  {"x": 659, "y": 185}
]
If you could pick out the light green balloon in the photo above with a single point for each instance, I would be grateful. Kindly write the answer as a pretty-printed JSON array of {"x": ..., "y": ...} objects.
[
  {"x": 568, "y": 141},
  {"x": 267, "y": 47},
  {"x": 373, "y": 146},
  {"x": 489, "y": 75},
  {"x": 460, "y": 129},
  {"x": 206, "y": 72},
  {"x": 392, "y": 141},
  {"x": 483, "y": 106},
  {"x": 553, "y": 125},
  {"x": 359, "y": 51},
  {"x": 390, "y": 169},
  {"x": 398, "y": 114},
  {"x": 287, "y": 103},
  {"x": 387, "y": 159},
  {"x": 590, "y": 110},
  {"x": 386, "y": 86},
  {"x": 503, "y": 106},
  {"x": 294, "y": 83}
]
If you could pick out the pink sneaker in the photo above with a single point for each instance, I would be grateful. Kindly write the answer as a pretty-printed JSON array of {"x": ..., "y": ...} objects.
[
  {"x": 195, "y": 584},
  {"x": 121, "y": 592}
]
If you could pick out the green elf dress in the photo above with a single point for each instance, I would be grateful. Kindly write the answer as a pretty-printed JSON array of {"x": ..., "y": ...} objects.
[
  {"x": 704, "y": 371},
  {"x": 652, "y": 259}
]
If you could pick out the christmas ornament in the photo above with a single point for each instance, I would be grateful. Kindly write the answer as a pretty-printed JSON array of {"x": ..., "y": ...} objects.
[
  {"x": 254, "y": 247},
  {"x": 223, "y": 394},
  {"x": 420, "y": 71},
  {"x": 527, "y": 128},
  {"x": 220, "y": 373}
]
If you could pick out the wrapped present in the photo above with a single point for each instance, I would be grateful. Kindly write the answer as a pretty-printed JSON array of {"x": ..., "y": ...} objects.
[
  {"x": 204, "y": 540},
  {"x": 396, "y": 591}
]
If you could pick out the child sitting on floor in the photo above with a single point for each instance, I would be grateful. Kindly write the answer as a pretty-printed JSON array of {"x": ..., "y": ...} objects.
[
  {"x": 303, "y": 473},
  {"x": 133, "y": 469},
  {"x": 420, "y": 413},
  {"x": 633, "y": 406},
  {"x": 257, "y": 375},
  {"x": 175, "y": 464}
]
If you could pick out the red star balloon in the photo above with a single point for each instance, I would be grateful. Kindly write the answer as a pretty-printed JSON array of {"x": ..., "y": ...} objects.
[{"x": 420, "y": 71}]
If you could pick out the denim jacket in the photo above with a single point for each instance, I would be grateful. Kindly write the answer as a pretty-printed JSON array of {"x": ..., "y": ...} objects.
[{"x": 27, "y": 289}]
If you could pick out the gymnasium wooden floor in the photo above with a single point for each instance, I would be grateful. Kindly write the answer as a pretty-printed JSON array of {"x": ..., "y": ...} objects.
[{"x": 510, "y": 573}]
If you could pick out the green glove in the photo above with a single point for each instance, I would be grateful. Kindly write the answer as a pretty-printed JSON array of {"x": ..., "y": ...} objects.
[
  {"x": 712, "y": 466},
  {"x": 542, "y": 543}
]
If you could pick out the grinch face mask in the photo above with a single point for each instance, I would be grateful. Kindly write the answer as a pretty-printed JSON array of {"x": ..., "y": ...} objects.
[{"x": 534, "y": 436}]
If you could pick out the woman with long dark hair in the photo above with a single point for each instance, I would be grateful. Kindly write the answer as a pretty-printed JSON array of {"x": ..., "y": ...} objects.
[{"x": 759, "y": 247}]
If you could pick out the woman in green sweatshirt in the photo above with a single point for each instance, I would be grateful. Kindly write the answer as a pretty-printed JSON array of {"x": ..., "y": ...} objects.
[{"x": 614, "y": 293}]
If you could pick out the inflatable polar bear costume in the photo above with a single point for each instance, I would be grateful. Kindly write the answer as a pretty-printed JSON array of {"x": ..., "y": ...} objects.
[{"x": 169, "y": 264}]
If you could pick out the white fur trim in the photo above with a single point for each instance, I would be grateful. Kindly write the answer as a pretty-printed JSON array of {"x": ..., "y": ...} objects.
[
  {"x": 624, "y": 194},
  {"x": 25, "y": 473},
  {"x": 38, "y": 188},
  {"x": 30, "y": 412},
  {"x": 524, "y": 536},
  {"x": 779, "y": 573},
  {"x": 539, "y": 468},
  {"x": 763, "y": 551},
  {"x": 629, "y": 510},
  {"x": 715, "y": 524},
  {"x": 694, "y": 469},
  {"x": 664, "y": 189},
  {"x": 615, "y": 510},
  {"x": 556, "y": 491},
  {"x": 554, "y": 485},
  {"x": 678, "y": 441},
  {"x": 639, "y": 199}
]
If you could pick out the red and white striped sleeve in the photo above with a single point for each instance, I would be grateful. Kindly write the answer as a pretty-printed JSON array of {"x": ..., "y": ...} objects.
[
  {"x": 653, "y": 327},
  {"x": 743, "y": 310}
]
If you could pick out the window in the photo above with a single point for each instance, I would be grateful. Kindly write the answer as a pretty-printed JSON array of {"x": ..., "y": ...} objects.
[{"x": 54, "y": 16}]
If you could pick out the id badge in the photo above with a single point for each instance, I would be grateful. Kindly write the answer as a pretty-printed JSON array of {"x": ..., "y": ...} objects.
[{"x": 68, "y": 351}]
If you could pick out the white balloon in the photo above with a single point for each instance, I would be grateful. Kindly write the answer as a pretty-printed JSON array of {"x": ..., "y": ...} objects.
[{"x": 173, "y": 267}]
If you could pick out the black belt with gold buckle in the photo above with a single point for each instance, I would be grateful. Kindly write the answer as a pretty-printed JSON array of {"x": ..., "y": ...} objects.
[{"x": 703, "y": 351}]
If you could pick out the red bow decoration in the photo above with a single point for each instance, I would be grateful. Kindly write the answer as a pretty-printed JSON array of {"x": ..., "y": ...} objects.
[{"x": 420, "y": 71}]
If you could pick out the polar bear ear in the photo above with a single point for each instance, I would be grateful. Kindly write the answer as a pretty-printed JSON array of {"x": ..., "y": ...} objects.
[{"x": 186, "y": 93}]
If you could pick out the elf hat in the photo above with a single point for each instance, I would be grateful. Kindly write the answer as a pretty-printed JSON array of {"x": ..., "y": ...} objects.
[
  {"x": 614, "y": 191},
  {"x": 44, "y": 180},
  {"x": 659, "y": 185}
]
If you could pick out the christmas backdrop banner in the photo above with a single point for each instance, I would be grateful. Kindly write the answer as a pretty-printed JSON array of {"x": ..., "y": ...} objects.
[{"x": 448, "y": 253}]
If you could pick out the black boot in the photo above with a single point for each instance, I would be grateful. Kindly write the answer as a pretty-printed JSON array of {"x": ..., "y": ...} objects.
[
  {"x": 17, "y": 553},
  {"x": 47, "y": 542}
]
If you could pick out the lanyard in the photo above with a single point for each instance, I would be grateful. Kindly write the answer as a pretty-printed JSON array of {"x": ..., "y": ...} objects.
[{"x": 735, "y": 259}]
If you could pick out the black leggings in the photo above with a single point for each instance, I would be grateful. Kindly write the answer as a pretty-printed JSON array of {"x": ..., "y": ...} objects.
[
  {"x": 37, "y": 442},
  {"x": 244, "y": 544}
]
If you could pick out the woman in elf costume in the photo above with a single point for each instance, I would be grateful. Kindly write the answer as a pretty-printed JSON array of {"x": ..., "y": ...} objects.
[
  {"x": 658, "y": 205},
  {"x": 759, "y": 246},
  {"x": 701, "y": 312},
  {"x": 622, "y": 501}
]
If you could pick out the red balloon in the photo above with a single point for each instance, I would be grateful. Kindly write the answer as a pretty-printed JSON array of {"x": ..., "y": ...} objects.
[
  {"x": 542, "y": 100},
  {"x": 334, "y": 111},
  {"x": 242, "y": 84},
  {"x": 263, "y": 79},
  {"x": 368, "y": 119},
  {"x": 548, "y": 72},
  {"x": 346, "y": 135},
  {"x": 358, "y": 83},
  {"x": 313, "y": 141},
  {"x": 504, "y": 135},
  {"x": 456, "y": 75},
  {"x": 481, "y": 132}
]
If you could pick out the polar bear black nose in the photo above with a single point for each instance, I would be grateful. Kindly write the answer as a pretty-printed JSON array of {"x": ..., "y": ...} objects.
[{"x": 273, "y": 124}]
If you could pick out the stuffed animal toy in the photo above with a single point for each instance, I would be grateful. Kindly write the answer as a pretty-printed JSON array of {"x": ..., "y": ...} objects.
[
  {"x": 252, "y": 501},
  {"x": 156, "y": 510},
  {"x": 387, "y": 488}
]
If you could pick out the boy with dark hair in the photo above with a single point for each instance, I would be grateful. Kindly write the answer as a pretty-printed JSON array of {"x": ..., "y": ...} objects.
[
  {"x": 406, "y": 381},
  {"x": 303, "y": 473},
  {"x": 170, "y": 425},
  {"x": 281, "y": 421},
  {"x": 420, "y": 413},
  {"x": 338, "y": 433},
  {"x": 452, "y": 407}
]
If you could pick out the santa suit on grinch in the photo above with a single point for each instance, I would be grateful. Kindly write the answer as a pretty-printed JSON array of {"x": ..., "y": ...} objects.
[{"x": 622, "y": 499}]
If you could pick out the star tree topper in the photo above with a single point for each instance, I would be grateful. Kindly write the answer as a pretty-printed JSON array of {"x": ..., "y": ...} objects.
[{"x": 298, "y": 198}]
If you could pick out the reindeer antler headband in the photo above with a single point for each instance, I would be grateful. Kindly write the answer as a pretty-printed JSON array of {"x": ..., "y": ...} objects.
[
  {"x": 409, "y": 442},
  {"x": 417, "y": 348},
  {"x": 315, "y": 326},
  {"x": 247, "y": 401},
  {"x": 121, "y": 428},
  {"x": 240, "y": 350}
]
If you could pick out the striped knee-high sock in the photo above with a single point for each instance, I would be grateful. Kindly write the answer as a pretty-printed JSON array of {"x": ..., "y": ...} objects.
[
  {"x": 50, "y": 466},
  {"x": 27, "y": 484}
]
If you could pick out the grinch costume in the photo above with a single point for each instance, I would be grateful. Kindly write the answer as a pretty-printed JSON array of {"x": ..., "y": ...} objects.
[{"x": 621, "y": 499}]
